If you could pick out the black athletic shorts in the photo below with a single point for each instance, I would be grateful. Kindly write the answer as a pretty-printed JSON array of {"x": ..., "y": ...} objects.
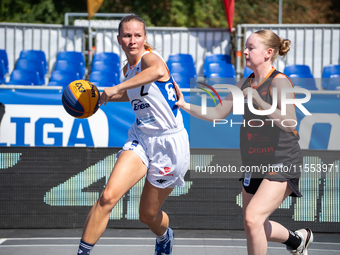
[{"x": 254, "y": 184}]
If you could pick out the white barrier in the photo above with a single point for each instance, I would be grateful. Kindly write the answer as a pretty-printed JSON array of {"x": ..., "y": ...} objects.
[
  {"x": 15, "y": 37},
  {"x": 312, "y": 44}
]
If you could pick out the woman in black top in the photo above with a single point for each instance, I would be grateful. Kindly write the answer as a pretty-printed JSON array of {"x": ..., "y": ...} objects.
[{"x": 270, "y": 140}]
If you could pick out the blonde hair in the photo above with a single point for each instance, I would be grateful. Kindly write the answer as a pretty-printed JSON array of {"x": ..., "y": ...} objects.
[
  {"x": 271, "y": 40},
  {"x": 133, "y": 17}
]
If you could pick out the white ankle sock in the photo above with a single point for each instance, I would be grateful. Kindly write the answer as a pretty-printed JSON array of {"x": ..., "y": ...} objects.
[{"x": 162, "y": 238}]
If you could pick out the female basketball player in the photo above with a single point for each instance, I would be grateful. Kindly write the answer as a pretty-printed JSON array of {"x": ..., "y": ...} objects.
[
  {"x": 157, "y": 144},
  {"x": 270, "y": 143}
]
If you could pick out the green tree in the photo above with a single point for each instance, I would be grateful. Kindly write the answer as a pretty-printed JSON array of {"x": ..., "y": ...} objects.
[
  {"x": 42, "y": 11},
  {"x": 174, "y": 13},
  {"x": 178, "y": 13}
]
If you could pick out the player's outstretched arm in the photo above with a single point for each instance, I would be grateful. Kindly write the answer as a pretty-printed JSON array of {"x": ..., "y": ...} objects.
[
  {"x": 153, "y": 69},
  {"x": 220, "y": 111},
  {"x": 119, "y": 97}
]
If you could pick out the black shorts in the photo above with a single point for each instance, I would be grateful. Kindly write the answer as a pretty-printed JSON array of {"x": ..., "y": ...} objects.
[{"x": 254, "y": 184}]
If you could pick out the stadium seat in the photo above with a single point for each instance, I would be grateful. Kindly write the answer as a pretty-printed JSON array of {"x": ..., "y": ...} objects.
[
  {"x": 301, "y": 76},
  {"x": 63, "y": 78},
  {"x": 182, "y": 68},
  {"x": 104, "y": 79},
  {"x": 36, "y": 55},
  {"x": 246, "y": 72},
  {"x": 3, "y": 56},
  {"x": 24, "y": 77},
  {"x": 73, "y": 56},
  {"x": 297, "y": 69},
  {"x": 106, "y": 56},
  {"x": 68, "y": 65},
  {"x": 303, "y": 81},
  {"x": 106, "y": 66},
  {"x": 329, "y": 73},
  {"x": 180, "y": 58},
  {"x": 182, "y": 73},
  {"x": 222, "y": 73},
  {"x": 221, "y": 70},
  {"x": 32, "y": 65},
  {"x": 184, "y": 81},
  {"x": 215, "y": 58},
  {"x": 334, "y": 82},
  {"x": 2, "y": 72}
]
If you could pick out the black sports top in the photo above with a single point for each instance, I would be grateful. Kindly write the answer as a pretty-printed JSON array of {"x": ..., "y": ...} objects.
[{"x": 267, "y": 144}]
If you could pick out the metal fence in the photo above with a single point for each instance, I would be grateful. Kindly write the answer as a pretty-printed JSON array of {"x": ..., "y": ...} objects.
[
  {"x": 311, "y": 44},
  {"x": 195, "y": 41},
  {"x": 15, "y": 37}
]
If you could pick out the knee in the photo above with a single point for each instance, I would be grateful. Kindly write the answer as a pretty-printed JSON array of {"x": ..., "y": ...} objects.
[
  {"x": 146, "y": 217},
  {"x": 252, "y": 223},
  {"x": 108, "y": 198}
]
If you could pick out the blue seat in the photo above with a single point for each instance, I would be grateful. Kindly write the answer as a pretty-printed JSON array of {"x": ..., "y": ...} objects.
[
  {"x": 215, "y": 58},
  {"x": 301, "y": 76},
  {"x": 36, "y": 55},
  {"x": 73, "y": 56},
  {"x": 106, "y": 56},
  {"x": 182, "y": 68},
  {"x": 216, "y": 79},
  {"x": 63, "y": 78},
  {"x": 2, "y": 72},
  {"x": 180, "y": 58},
  {"x": 24, "y": 77},
  {"x": 328, "y": 72},
  {"x": 246, "y": 72},
  {"x": 221, "y": 70},
  {"x": 297, "y": 69},
  {"x": 106, "y": 66},
  {"x": 303, "y": 81},
  {"x": 68, "y": 65},
  {"x": 32, "y": 65},
  {"x": 184, "y": 81},
  {"x": 104, "y": 79},
  {"x": 334, "y": 82},
  {"x": 3, "y": 56},
  {"x": 221, "y": 73}
]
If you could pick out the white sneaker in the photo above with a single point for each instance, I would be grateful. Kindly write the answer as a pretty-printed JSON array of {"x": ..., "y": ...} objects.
[{"x": 306, "y": 239}]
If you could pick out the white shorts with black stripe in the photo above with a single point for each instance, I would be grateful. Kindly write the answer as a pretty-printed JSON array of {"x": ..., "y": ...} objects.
[{"x": 166, "y": 154}]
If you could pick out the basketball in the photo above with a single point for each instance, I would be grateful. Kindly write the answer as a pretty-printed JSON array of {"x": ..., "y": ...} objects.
[{"x": 80, "y": 99}]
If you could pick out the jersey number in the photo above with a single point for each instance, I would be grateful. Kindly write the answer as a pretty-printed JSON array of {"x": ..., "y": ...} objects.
[{"x": 142, "y": 93}]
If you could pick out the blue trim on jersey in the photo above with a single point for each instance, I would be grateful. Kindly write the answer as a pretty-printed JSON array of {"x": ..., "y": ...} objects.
[{"x": 168, "y": 91}]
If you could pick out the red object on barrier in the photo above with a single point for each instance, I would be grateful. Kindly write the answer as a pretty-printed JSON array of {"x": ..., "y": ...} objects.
[{"x": 229, "y": 9}]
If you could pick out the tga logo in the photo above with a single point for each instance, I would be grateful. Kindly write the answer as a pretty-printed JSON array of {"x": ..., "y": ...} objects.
[
  {"x": 138, "y": 104},
  {"x": 239, "y": 101}
]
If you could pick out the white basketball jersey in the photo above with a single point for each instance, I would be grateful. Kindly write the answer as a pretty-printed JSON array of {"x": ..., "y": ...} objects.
[{"x": 154, "y": 103}]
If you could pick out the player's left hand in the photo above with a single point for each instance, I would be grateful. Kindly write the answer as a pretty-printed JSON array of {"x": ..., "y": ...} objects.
[{"x": 180, "y": 97}]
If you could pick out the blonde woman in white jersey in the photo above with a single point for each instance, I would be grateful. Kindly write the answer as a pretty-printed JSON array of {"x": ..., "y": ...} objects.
[{"x": 157, "y": 146}]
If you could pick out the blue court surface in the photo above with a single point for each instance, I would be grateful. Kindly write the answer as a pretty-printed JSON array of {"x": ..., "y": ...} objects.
[{"x": 142, "y": 241}]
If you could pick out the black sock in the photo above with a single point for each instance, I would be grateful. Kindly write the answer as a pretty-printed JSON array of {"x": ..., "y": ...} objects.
[
  {"x": 294, "y": 240},
  {"x": 84, "y": 248}
]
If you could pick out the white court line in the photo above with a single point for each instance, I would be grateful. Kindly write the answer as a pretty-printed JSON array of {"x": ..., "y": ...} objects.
[
  {"x": 2, "y": 240},
  {"x": 148, "y": 245},
  {"x": 138, "y": 238}
]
